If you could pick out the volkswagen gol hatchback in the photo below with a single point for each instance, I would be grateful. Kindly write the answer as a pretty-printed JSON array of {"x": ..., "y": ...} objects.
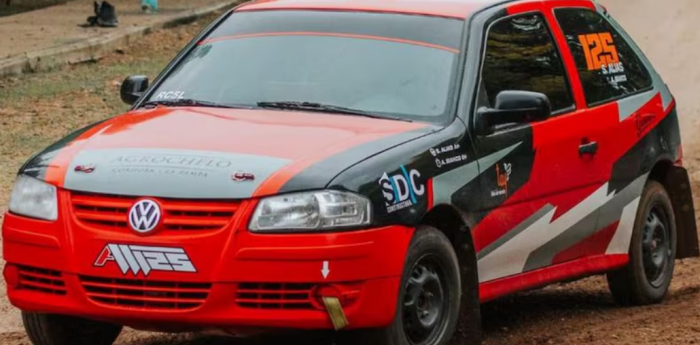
[{"x": 374, "y": 166}]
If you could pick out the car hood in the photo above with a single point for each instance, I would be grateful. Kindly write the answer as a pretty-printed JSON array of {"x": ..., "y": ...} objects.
[{"x": 212, "y": 153}]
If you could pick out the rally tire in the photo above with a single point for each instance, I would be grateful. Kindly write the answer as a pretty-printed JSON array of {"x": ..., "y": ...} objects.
[
  {"x": 430, "y": 256},
  {"x": 646, "y": 278},
  {"x": 54, "y": 329}
]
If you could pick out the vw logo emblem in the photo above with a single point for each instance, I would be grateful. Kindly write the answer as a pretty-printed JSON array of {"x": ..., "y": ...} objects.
[{"x": 144, "y": 216}]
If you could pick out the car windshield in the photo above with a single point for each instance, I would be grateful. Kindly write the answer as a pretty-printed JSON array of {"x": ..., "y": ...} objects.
[{"x": 399, "y": 66}]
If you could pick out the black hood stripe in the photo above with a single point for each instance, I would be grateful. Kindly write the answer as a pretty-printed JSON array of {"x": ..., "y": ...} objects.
[{"x": 319, "y": 174}]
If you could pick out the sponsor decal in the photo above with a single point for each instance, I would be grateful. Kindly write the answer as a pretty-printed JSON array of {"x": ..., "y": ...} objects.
[
  {"x": 144, "y": 216},
  {"x": 447, "y": 161},
  {"x": 182, "y": 165},
  {"x": 401, "y": 190},
  {"x": 145, "y": 259},
  {"x": 181, "y": 161},
  {"x": 88, "y": 168},
  {"x": 444, "y": 149},
  {"x": 161, "y": 171},
  {"x": 502, "y": 178},
  {"x": 240, "y": 176},
  {"x": 171, "y": 95}
]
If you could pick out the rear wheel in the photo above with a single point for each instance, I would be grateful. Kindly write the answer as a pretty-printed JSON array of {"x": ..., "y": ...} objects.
[
  {"x": 429, "y": 300},
  {"x": 53, "y": 329},
  {"x": 652, "y": 254}
]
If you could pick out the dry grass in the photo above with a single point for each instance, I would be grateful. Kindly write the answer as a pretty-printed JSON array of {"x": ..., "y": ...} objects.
[
  {"x": 10, "y": 7},
  {"x": 38, "y": 109}
]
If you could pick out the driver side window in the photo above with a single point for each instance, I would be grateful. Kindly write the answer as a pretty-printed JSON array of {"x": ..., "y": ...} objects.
[{"x": 521, "y": 55}]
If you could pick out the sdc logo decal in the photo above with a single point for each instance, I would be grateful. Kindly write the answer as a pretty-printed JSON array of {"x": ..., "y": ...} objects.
[{"x": 401, "y": 190}]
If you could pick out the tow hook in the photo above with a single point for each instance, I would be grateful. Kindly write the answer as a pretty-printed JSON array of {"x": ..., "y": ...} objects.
[{"x": 335, "y": 311}]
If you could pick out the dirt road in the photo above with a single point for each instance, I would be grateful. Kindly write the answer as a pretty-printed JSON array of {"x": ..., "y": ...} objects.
[{"x": 576, "y": 313}]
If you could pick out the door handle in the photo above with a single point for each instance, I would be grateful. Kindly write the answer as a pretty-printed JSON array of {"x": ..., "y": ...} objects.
[{"x": 589, "y": 148}]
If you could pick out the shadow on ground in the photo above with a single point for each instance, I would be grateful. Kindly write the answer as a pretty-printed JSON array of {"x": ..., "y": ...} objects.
[{"x": 500, "y": 318}]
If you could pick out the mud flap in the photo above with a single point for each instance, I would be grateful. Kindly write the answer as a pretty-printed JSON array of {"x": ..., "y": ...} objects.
[{"x": 677, "y": 185}]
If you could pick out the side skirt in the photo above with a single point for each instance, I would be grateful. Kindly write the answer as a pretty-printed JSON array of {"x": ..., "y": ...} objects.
[{"x": 575, "y": 269}]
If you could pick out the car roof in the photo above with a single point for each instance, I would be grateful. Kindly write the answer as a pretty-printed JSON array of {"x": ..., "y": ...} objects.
[{"x": 442, "y": 8}]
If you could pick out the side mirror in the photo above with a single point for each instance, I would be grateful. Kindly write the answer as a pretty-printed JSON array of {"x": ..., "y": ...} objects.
[
  {"x": 513, "y": 107},
  {"x": 132, "y": 88}
]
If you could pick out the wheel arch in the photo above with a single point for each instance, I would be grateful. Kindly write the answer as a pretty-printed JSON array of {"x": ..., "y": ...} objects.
[
  {"x": 676, "y": 181},
  {"x": 455, "y": 225}
]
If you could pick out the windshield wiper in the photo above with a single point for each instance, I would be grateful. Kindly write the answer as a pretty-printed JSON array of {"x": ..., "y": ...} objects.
[
  {"x": 328, "y": 108},
  {"x": 187, "y": 102}
]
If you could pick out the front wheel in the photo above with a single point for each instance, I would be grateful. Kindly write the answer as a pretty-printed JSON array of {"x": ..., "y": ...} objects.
[
  {"x": 652, "y": 253},
  {"x": 53, "y": 329},
  {"x": 428, "y": 304}
]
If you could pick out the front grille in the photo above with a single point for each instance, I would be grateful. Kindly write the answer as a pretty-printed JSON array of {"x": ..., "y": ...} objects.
[
  {"x": 275, "y": 295},
  {"x": 145, "y": 294},
  {"x": 110, "y": 212},
  {"x": 42, "y": 280}
]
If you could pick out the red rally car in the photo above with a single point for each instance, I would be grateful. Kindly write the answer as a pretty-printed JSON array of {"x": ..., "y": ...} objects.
[{"x": 381, "y": 167}]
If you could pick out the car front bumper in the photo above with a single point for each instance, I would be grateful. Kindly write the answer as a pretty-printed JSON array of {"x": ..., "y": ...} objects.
[{"x": 241, "y": 280}]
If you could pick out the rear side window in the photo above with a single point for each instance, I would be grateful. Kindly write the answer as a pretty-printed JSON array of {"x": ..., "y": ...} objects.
[
  {"x": 608, "y": 67},
  {"x": 521, "y": 55}
]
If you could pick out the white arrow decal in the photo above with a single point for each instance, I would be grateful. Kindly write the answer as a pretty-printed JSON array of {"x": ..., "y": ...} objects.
[{"x": 325, "y": 270}]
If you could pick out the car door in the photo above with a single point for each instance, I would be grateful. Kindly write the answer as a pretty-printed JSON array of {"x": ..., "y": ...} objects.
[
  {"x": 628, "y": 102},
  {"x": 539, "y": 194}
]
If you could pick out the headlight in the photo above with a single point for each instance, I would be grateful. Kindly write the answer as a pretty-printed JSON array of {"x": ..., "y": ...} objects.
[
  {"x": 33, "y": 198},
  {"x": 311, "y": 211}
]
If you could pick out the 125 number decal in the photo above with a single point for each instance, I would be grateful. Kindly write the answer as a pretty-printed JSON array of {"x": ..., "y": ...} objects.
[{"x": 599, "y": 50}]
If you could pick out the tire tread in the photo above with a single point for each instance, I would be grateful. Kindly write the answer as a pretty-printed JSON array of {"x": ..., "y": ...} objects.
[
  {"x": 628, "y": 285},
  {"x": 53, "y": 329}
]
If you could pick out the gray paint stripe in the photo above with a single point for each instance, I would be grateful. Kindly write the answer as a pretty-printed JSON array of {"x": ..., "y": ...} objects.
[
  {"x": 544, "y": 255},
  {"x": 630, "y": 105},
  {"x": 599, "y": 7},
  {"x": 612, "y": 212},
  {"x": 170, "y": 173},
  {"x": 446, "y": 184},
  {"x": 605, "y": 215},
  {"x": 515, "y": 231}
]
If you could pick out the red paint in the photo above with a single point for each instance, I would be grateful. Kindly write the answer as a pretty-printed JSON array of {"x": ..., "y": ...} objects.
[
  {"x": 240, "y": 257},
  {"x": 560, "y": 176},
  {"x": 429, "y": 186},
  {"x": 365, "y": 266},
  {"x": 307, "y": 137},
  {"x": 330, "y": 34},
  {"x": 595, "y": 244},
  {"x": 58, "y": 167},
  {"x": 441, "y": 8},
  {"x": 567, "y": 57},
  {"x": 545, "y": 276},
  {"x": 11, "y": 275}
]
